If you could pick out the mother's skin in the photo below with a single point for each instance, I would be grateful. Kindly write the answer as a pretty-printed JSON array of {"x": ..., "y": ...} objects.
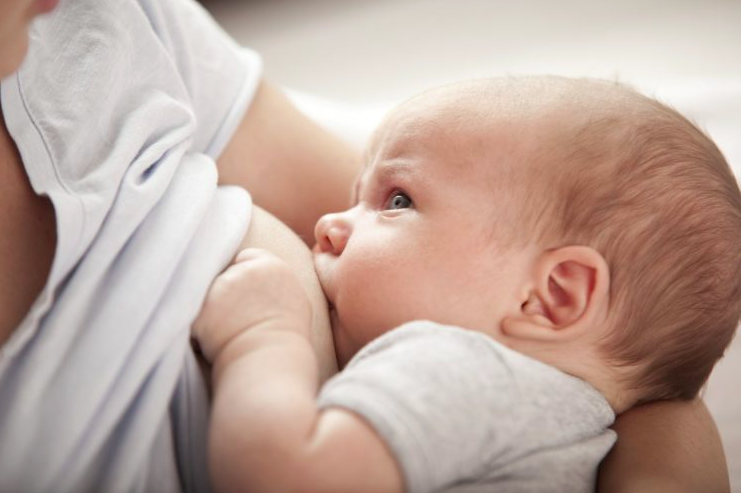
[{"x": 298, "y": 172}]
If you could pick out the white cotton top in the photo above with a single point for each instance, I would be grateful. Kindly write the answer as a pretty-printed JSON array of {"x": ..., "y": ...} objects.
[
  {"x": 462, "y": 413},
  {"x": 118, "y": 112}
]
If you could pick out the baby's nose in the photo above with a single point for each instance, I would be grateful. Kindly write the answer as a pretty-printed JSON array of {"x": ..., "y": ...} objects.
[{"x": 331, "y": 233}]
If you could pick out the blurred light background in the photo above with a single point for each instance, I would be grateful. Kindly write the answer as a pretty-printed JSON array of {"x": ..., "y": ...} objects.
[
  {"x": 367, "y": 54},
  {"x": 387, "y": 50}
]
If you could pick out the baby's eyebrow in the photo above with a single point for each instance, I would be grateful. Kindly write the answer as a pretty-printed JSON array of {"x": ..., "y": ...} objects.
[
  {"x": 383, "y": 172},
  {"x": 397, "y": 167}
]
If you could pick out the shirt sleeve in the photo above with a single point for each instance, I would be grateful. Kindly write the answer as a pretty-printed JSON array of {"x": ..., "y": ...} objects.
[
  {"x": 219, "y": 75},
  {"x": 429, "y": 391}
]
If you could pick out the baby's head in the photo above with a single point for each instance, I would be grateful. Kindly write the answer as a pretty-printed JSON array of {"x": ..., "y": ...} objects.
[{"x": 575, "y": 221}]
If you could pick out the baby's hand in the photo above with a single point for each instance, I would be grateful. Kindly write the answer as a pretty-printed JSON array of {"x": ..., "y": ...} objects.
[{"x": 257, "y": 291}]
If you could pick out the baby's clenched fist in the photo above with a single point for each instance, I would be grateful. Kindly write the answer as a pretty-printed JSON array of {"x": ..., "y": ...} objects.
[{"x": 258, "y": 291}]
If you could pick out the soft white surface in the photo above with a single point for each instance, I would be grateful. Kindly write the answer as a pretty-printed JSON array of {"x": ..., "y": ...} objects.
[
  {"x": 384, "y": 50},
  {"x": 357, "y": 57}
]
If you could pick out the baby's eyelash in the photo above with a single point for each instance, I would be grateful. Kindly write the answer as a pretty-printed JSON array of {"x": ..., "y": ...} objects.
[
  {"x": 397, "y": 199},
  {"x": 379, "y": 190}
]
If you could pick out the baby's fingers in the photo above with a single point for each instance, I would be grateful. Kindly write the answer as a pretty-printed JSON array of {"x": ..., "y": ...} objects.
[{"x": 258, "y": 286}]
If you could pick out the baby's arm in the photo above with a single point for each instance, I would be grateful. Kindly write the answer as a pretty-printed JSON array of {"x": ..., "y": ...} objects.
[
  {"x": 267, "y": 433},
  {"x": 268, "y": 233}
]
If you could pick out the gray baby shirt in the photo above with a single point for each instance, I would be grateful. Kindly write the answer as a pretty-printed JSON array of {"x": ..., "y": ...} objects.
[{"x": 463, "y": 413}]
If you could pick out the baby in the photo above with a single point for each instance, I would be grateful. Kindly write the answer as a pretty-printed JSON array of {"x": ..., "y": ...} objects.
[{"x": 525, "y": 258}]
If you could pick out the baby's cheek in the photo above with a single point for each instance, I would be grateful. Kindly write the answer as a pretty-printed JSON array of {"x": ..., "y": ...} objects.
[{"x": 373, "y": 284}]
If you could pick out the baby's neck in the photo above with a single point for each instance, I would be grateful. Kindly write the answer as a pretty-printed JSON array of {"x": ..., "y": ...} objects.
[
  {"x": 619, "y": 399},
  {"x": 585, "y": 363}
]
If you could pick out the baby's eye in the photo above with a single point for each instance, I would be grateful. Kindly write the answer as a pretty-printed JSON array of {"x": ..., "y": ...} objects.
[{"x": 398, "y": 200}]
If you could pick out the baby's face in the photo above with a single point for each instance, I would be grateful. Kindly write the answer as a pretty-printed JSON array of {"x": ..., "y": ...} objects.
[{"x": 426, "y": 236}]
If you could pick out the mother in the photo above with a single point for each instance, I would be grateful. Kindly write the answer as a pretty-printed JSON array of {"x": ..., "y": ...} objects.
[{"x": 113, "y": 135}]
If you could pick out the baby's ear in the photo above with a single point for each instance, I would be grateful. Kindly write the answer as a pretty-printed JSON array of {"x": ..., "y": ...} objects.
[{"x": 569, "y": 294}]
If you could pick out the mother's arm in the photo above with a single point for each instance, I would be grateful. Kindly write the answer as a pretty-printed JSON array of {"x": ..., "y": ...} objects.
[
  {"x": 293, "y": 168},
  {"x": 665, "y": 446},
  {"x": 296, "y": 171}
]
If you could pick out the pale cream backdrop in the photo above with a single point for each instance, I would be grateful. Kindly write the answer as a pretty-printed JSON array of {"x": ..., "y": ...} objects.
[{"x": 347, "y": 61}]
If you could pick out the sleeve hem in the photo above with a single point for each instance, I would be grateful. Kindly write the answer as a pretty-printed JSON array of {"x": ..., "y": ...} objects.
[
  {"x": 389, "y": 427},
  {"x": 241, "y": 104}
]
